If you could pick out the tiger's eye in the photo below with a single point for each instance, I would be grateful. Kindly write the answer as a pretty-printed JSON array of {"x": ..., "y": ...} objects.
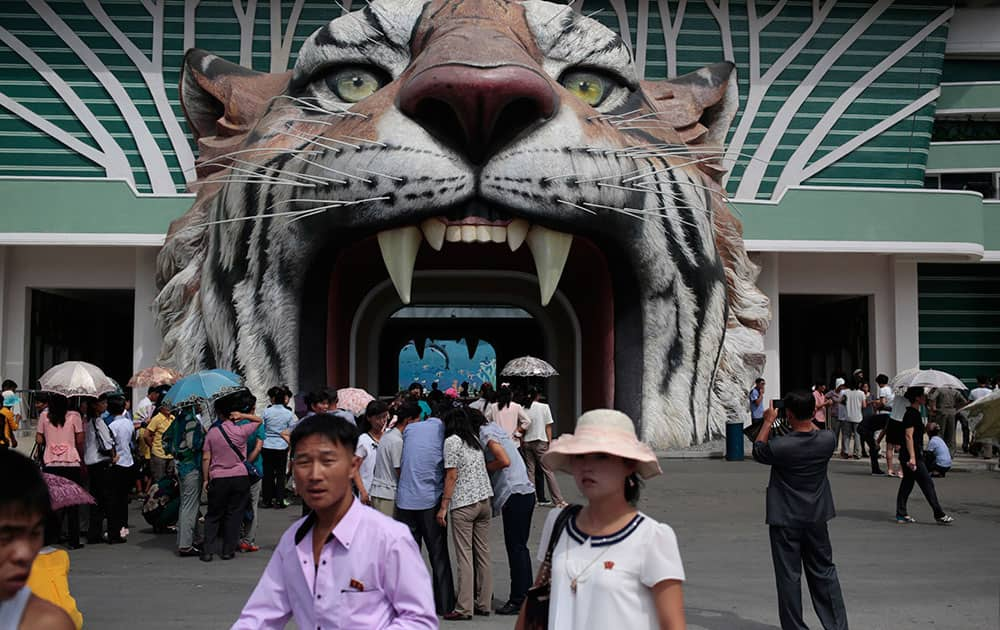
[
  {"x": 589, "y": 87},
  {"x": 354, "y": 84}
]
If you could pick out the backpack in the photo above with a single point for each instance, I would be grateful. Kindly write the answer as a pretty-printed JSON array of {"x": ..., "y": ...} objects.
[{"x": 185, "y": 435}]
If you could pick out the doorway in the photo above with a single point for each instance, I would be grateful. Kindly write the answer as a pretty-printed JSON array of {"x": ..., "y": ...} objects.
[
  {"x": 821, "y": 337},
  {"x": 92, "y": 325}
]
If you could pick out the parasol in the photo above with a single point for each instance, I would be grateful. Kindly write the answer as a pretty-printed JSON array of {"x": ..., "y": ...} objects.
[
  {"x": 77, "y": 378},
  {"x": 354, "y": 399},
  {"x": 154, "y": 376},
  {"x": 984, "y": 416},
  {"x": 528, "y": 366},
  {"x": 927, "y": 378},
  {"x": 202, "y": 386},
  {"x": 64, "y": 492}
]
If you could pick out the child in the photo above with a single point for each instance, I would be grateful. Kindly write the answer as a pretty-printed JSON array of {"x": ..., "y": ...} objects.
[
  {"x": 24, "y": 507},
  {"x": 937, "y": 456}
]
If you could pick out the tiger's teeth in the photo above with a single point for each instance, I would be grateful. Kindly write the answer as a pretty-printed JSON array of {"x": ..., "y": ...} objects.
[
  {"x": 483, "y": 233},
  {"x": 516, "y": 233},
  {"x": 498, "y": 234},
  {"x": 550, "y": 249},
  {"x": 468, "y": 234},
  {"x": 399, "y": 253},
  {"x": 453, "y": 234},
  {"x": 434, "y": 230}
]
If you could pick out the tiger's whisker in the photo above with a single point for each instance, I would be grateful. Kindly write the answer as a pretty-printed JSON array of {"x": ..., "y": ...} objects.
[
  {"x": 392, "y": 177},
  {"x": 250, "y": 181},
  {"x": 232, "y": 153},
  {"x": 309, "y": 140},
  {"x": 375, "y": 142},
  {"x": 333, "y": 170},
  {"x": 570, "y": 203},
  {"x": 282, "y": 173}
]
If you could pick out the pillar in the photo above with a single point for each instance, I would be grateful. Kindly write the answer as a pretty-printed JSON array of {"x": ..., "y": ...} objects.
[
  {"x": 769, "y": 283},
  {"x": 906, "y": 318},
  {"x": 145, "y": 337}
]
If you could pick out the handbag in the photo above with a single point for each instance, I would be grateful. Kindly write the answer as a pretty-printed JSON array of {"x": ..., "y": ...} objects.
[
  {"x": 251, "y": 471},
  {"x": 535, "y": 612}
]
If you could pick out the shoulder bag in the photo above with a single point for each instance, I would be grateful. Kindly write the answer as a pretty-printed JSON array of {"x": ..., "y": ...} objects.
[
  {"x": 535, "y": 611},
  {"x": 251, "y": 471}
]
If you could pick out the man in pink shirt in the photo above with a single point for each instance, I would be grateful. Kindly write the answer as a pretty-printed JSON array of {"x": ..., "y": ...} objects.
[
  {"x": 345, "y": 565},
  {"x": 822, "y": 402}
]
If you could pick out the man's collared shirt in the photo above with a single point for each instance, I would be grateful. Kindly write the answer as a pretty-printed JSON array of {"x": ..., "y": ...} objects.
[
  {"x": 370, "y": 575},
  {"x": 421, "y": 474}
]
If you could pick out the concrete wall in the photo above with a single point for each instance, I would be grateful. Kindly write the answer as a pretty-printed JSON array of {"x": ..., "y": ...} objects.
[
  {"x": 890, "y": 282},
  {"x": 23, "y": 268}
]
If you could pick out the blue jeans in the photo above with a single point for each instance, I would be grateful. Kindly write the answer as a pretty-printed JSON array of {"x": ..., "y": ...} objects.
[
  {"x": 516, "y": 527},
  {"x": 187, "y": 520}
]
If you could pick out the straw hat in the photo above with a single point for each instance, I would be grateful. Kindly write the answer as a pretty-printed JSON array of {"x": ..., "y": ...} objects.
[{"x": 602, "y": 431}]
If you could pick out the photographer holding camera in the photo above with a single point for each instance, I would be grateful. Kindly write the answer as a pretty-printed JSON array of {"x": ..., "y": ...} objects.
[{"x": 799, "y": 504}]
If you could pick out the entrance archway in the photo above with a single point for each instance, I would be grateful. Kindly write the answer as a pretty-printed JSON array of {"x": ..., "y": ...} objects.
[{"x": 375, "y": 338}]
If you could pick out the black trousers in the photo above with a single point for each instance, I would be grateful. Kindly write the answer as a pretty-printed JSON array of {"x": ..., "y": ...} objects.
[
  {"x": 922, "y": 478},
  {"x": 793, "y": 548},
  {"x": 517, "y": 513},
  {"x": 227, "y": 501},
  {"x": 425, "y": 529},
  {"x": 273, "y": 484},
  {"x": 121, "y": 480},
  {"x": 53, "y": 525},
  {"x": 100, "y": 485}
]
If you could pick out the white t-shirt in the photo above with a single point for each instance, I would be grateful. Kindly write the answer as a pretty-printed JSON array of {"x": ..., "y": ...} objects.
[
  {"x": 541, "y": 416},
  {"x": 389, "y": 458},
  {"x": 885, "y": 394},
  {"x": 122, "y": 430},
  {"x": 614, "y": 574},
  {"x": 853, "y": 400},
  {"x": 368, "y": 452},
  {"x": 980, "y": 392}
]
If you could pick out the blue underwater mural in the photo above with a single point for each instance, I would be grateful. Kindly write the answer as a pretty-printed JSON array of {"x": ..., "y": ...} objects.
[{"x": 447, "y": 362}]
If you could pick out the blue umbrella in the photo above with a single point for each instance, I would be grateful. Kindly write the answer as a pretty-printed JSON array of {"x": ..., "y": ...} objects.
[{"x": 202, "y": 386}]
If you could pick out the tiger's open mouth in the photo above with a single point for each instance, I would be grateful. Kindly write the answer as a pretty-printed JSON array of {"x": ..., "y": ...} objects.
[{"x": 476, "y": 222}]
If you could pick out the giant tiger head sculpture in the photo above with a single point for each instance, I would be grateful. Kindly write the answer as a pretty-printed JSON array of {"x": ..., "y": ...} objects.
[{"x": 511, "y": 127}]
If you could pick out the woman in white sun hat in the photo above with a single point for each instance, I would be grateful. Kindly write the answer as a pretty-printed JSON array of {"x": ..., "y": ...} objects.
[{"x": 612, "y": 566}]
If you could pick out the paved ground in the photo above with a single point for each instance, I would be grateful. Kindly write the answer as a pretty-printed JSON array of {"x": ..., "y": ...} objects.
[{"x": 894, "y": 577}]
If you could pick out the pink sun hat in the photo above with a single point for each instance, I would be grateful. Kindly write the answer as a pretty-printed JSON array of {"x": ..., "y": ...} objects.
[{"x": 602, "y": 431}]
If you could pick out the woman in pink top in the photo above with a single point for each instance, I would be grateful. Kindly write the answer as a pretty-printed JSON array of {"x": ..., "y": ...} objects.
[
  {"x": 225, "y": 474},
  {"x": 60, "y": 432},
  {"x": 508, "y": 414}
]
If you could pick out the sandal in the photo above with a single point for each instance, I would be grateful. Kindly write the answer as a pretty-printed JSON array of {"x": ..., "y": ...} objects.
[{"x": 903, "y": 520}]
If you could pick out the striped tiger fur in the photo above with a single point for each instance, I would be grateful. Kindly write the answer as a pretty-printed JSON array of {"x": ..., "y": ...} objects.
[{"x": 286, "y": 160}]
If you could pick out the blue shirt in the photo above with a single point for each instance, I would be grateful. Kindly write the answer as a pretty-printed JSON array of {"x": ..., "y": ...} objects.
[
  {"x": 756, "y": 404},
  {"x": 942, "y": 456},
  {"x": 421, "y": 471},
  {"x": 510, "y": 480},
  {"x": 277, "y": 418}
]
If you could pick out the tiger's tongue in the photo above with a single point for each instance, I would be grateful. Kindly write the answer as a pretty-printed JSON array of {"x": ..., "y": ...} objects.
[{"x": 549, "y": 248}]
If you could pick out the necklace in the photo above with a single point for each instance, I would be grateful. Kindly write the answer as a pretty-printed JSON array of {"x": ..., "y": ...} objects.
[{"x": 574, "y": 579}]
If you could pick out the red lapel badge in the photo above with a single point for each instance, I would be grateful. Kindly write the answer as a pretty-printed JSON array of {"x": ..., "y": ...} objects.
[
  {"x": 608, "y": 564},
  {"x": 357, "y": 585}
]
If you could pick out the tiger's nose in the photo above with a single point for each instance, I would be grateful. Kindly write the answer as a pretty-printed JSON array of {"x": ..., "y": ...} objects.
[{"x": 478, "y": 111}]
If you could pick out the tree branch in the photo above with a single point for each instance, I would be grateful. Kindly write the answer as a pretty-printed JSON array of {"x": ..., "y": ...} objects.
[
  {"x": 671, "y": 30},
  {"x": 115, "y": 162},
  {"x": 151, "y": 69},
  {"x": 55, "y": 132},
  {"x": 621, "y": 12},
  {"x": 246, "y": 22},
  {"x": 641, "y": 37},
  {"x": 190, "y": 13},
  {"x": 792, "y": 174},
  {"x": 281, "y": 47},
  {"x": 754, "y": 173},
  {"x": 720, "y": 12},
  {"x": 857, "y": 141}
]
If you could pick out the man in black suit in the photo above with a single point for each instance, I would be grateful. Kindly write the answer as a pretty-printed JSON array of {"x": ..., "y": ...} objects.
[{"x": 799, "y": 504}]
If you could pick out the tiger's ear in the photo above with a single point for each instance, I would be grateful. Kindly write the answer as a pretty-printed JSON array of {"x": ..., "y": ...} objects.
[
  {"x": 700, "y": 105},
  {"x": 222, "y": 102}
]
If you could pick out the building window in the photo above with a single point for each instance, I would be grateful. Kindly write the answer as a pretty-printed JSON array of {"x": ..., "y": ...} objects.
[{"x": 986, "y": 184}]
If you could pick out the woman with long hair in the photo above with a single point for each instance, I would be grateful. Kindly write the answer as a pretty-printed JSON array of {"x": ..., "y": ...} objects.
[
  {"x": 467, "y": 493},
  {"x": 912, "y": 461},
  {"x": 60, "y": 432},
  {"x": 612, "y": 566},
  {"x": 508, "y": 414}
]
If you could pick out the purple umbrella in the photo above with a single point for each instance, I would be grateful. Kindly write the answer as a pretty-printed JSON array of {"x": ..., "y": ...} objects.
[{"x": 64, "y": 493}]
